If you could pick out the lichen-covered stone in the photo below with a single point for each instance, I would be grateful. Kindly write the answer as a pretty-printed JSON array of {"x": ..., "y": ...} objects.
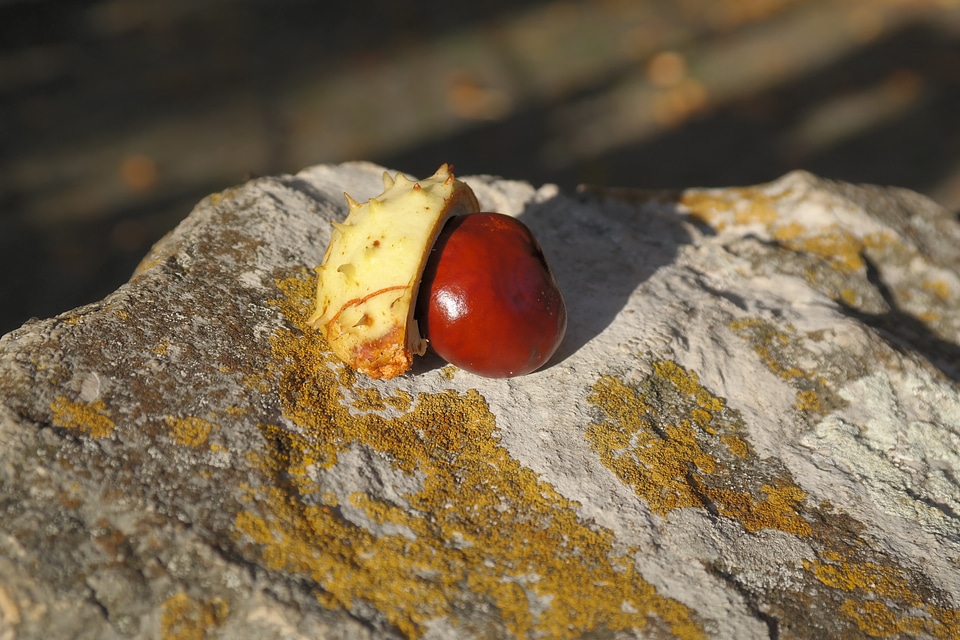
[{"x": 752, "y": 430}]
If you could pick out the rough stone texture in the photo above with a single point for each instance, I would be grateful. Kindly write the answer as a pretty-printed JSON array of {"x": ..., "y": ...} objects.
[{"x": 752, "y": 430}]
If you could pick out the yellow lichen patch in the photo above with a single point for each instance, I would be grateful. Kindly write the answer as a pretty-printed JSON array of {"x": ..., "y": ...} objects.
[
  {"x": 655, "y": 462},
  {"x": 780, "y": 509},
  {"x": 731, "y": 206},
  {"x": 653, "y": 438},
  {"x": 89, "y": 418},
  {"x": 769, "y": 343},
  {"x": 688, "y": 384},
  {"x": 737, "y": 445},
  {"x": 842, "y": 249},
  {"x": 808, "y": 400},
  {"x": 885, "y": 605},
  {"x": 477, "y": 525},
  {"x": 448, "y": 372},
  {"x": 184, "y": 618},
  {"x": 871, "y": 617},
  {"x": 789, "y": 231},
  {"x": 878, "y": 580},
  {"x": 368, "y": 400},
  {"x": 190, "y": 432},
  {"x": 330, "y": 499},
  {"x": 258, "y": 382},
  {"x": 760, "y": 211},
  {"x": 9, "y": 611},
  {"x": 938, "y": 288},
  {"x": 651, "y": 441},
  {"x": 877, "y": 619},
  {"x": 850, "y": 297},
  {"x": 778, "y": 349},
  {"x": 220, "y": 196},
  {"x": 401, "y": 401},
  {"x": 372, "y": 400}
]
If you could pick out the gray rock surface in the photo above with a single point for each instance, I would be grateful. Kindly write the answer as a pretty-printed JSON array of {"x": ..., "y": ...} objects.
[{"x": 752, "y": 430}]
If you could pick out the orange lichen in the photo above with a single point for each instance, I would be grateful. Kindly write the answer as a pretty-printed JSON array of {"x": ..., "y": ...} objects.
[
  {"x": 259, "y": 383},
  {"x": 654, "y": 462},
  {"x": 9, "y": 611},
  {"x": 89, "y": 418},
  {"x": 939, "y": 288},
  {"x": 778, "y": 349},
  {"x": 877, "y": 579},
  {"x": 737, "y": 445},
  {"x": 688, "y": 383},
  {"x": 650, "y": 440},
  {"x": 885, "y": 605},
  {"x": 808, "y": 400},
  {"x": 744, "y": 206},
  {"x": 843, "y": 249},
  {"x": 769, "y": 342},
  {"x": 190, "y": 431},
  {"x": 184, "y": 618},
  {"x": 876, "y": 619},
  {"x": 478, "y": 522},
  {"x": 850, "y": 297},
  {"x": 654, "y": 439},
  {"x": 221, "y": 196},
  {"x": 447, "y": 372},
  {"x": 780, "y": 509}
]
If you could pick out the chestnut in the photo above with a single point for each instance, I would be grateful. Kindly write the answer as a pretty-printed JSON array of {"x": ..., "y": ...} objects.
[
  {"x": 486, "y": 295},
  {"x": 488, "y": 302}
]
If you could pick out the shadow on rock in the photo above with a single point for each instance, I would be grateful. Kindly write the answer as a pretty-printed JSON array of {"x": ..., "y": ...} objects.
[
  {"x": 602, "y": 244},
  {"x": 905, "y": 332}
]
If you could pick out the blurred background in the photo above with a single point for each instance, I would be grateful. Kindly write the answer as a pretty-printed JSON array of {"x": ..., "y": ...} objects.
[{"x": 117, "y": 116}]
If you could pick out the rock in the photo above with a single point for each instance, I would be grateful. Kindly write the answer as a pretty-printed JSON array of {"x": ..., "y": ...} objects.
[{"x": 752, "y": 430}]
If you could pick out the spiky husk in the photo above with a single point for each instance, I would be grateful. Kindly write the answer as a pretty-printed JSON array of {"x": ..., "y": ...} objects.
[{"x": 368, "y": 282}]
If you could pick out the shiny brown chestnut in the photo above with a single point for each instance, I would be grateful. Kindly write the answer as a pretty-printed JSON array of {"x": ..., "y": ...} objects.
[{"x": 488, "y": 302}]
